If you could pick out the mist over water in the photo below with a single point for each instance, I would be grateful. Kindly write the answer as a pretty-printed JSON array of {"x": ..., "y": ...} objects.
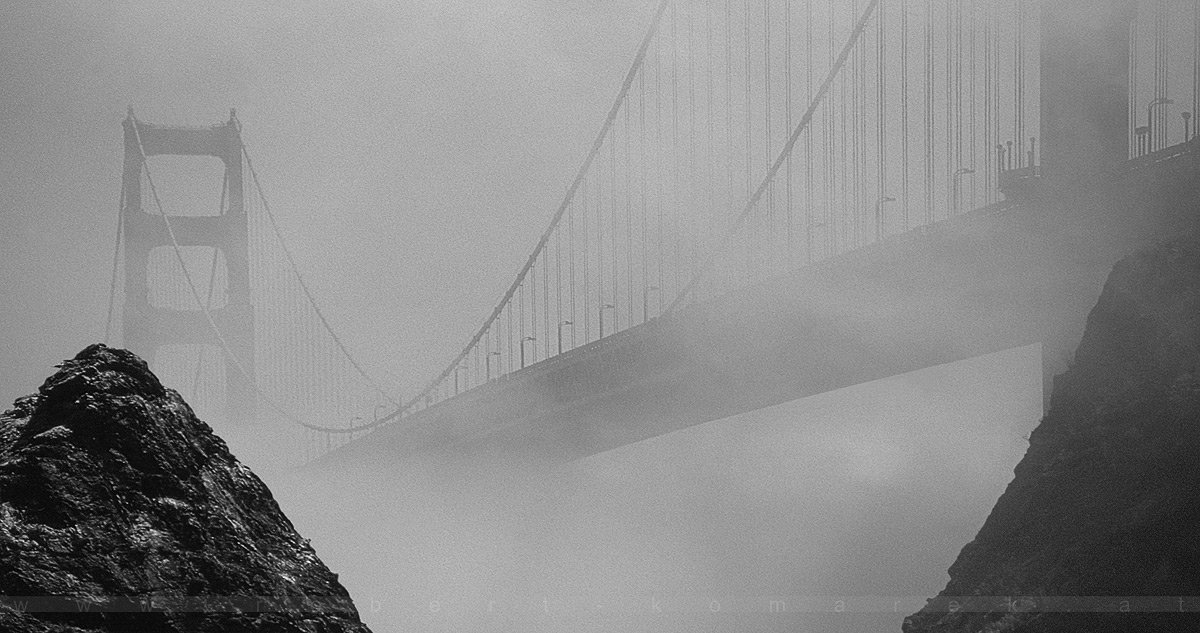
[
  {"x": 859, "y": 495},
  {"x": 412, "y": 152}
]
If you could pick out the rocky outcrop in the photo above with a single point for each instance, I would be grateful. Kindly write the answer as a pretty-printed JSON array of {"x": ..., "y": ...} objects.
[
  {"x": 121, "y": 511},
  {"x": 1103, "y": 514}
]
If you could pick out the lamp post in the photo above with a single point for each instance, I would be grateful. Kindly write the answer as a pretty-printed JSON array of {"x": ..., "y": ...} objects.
[
  {"x": 1158, "y": 101},
  {"x": 879, "y": 216},
  {"x": 607, "y": 306},
  {"x": 560, "y": 327},
  {"x": 958, "y": 174},
  {"x": 456, "y": 370},
  {"x": 1187, "y": 128},
  {"x": 527, "y": 338},
  {"x": 488, "y": 362},
  {"x": 646, "y": 302}
]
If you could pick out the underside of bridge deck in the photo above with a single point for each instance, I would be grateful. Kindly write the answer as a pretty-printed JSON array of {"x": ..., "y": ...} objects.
[{"x": 998, "y": 278}]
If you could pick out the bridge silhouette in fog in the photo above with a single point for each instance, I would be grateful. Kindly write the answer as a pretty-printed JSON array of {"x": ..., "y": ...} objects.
[{"x": 785, "y": 198}]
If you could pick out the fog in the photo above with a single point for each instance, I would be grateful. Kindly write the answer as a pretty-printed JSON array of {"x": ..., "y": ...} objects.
[
  {"x": 412, "y": 152},
  {"x": 863, "y": 495}
]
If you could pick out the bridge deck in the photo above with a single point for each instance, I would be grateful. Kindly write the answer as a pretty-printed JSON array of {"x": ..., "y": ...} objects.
[{"x": 1001, "y": 277}]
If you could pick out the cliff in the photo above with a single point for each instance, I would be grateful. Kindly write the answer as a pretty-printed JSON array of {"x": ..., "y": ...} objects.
[
  {"x": 1103, "y": 514},
  {"x": 121, "y": 511}
]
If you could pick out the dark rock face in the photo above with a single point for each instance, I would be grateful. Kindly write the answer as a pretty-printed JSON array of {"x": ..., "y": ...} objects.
[
  {"x": 1105, "y": 505},
  {"x": 121, "y": 511}
]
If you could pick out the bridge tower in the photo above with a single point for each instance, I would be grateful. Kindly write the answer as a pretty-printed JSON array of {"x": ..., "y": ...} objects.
[
  {"x": 148, "y": 327},
  {"x": 1085, "y": 87}
]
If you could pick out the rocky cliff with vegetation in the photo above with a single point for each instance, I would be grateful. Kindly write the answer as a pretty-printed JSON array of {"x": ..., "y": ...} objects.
[
  {"x": 1100, "y": 528},
  {"x": 121, "y": 511}
]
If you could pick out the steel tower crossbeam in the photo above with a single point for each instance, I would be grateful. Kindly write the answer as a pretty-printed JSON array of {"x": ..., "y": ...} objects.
[{"x": 148, "y": 327}]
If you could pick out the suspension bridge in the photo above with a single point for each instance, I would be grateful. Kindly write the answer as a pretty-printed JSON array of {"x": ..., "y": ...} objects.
[{"x": 786, "y": 197}]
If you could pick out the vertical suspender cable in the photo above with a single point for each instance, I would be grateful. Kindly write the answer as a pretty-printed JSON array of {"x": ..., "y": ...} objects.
[
  {"x": 787, "y": 123},
  {"x": 951, "y": 54},
  {"x": 846, "y": 219},
  {"x": 1163, "y": 120},
  {"x": 958, "y": 100},
  {"x": 710, "y": 163},
  {"x": 558, "y": 283},
  {"x": 521, "y": 316},
  {"x": 571, "y": 267},
  {"x": 643, "y": 165},
  {"x": 612, "y": 162},
  {"x": 973, "y": 104},
  {"x": 787, "y": 148},
  {"x": 533, "y": 320},
  {"x": 855, "y": 181},
  {"x": 675, "y": 208},
  {"x": 928, "y": 132},
  {"x": 628, "y": 223},
  {"x": 828, "y": 213},
  {"x": 860, "y": 132},
  {"x": 959, "y": 93},
  {"x": 691, "y": 221},
  {"x": 769, "y": 224},
  {"x": 587, "y": 265},
  {"x": 614, "y": 205},
  {"x": 729, "y": 102},
  {"x": 904, "y": 114},
  {"x": 660, "y": 255},
  {"x": 1195, "y": 67},
  {"x": 1019, "y": 84},
  {"x": 599, "y": 245},
  {"x": 546, "y": 297},
  {"x": 997, "y": 92},
  {"x": 808, "y": 140},
  {"x": 987, "y": 104},
  {"x": 749, "y": 129},
  {"x": 880, "y": 113},
  {"x": 112, "y": 291},
  {"x": 1131, "y": 90},
  {"x": 1152, "y": 121}
]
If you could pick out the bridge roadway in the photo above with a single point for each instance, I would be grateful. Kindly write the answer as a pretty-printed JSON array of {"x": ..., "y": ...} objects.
[{"x": 1024, "y": 271}]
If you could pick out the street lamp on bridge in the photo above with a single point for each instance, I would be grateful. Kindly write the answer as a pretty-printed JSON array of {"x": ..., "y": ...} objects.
[
  {"x": 956, "y": 184},
  {"x": 527, "y": 338},
  {"x": 607, "y": 306},
  {"x": 1157, "y": 101},
  {"x": 879, "y": 216},
  {"x": 646, "y": 301},
  {"x": 560, "y": 327},
  {"x": 456, "y": 370},
  {"x": 488, "y": 363}
]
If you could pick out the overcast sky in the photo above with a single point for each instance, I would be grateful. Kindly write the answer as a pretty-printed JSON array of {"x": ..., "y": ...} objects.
[{"x": 412, "y": 152}]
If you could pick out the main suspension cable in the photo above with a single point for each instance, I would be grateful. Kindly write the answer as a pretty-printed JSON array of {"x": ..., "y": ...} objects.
[
  {"x": 779, "y": 160},
  {"x": 562, "y": 209},
  {"x": 191, "y": 285},
  {"x": 304, "y": 286}
]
